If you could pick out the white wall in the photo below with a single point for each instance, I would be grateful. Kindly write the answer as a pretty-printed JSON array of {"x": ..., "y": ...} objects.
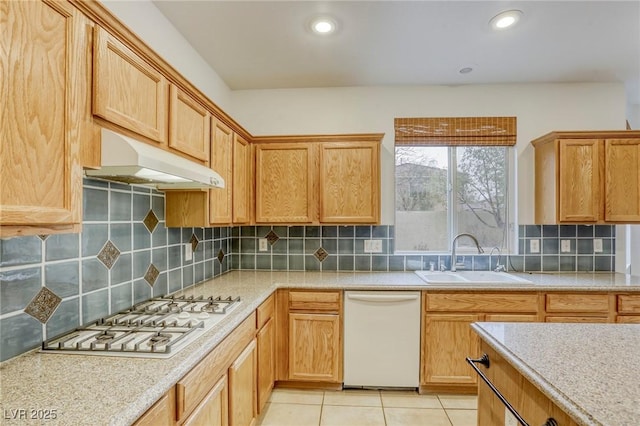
[
  {"x": 539, "y": 108},
  {"x": 146, "y": 20},
  {"x": 633, "y": 116}
]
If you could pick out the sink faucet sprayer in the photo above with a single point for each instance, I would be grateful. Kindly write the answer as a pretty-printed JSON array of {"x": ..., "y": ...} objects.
[
  {"x": 499, "y": 267},
  {"x": 453, "y": 248}
]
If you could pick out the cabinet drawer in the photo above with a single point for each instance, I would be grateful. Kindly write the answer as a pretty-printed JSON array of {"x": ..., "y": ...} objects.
[
  {"x": 314, "y": 300},
  {"x": 577, "y": 303},
  {"x": 628, "y": 304},
  {"x": 495, "y": 302},
  {"x": 577, "y": 319},
  {"x": 265, "y": 311}
]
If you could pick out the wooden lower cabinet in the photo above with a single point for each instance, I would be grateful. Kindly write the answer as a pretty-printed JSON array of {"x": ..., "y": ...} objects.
[
  {"x": 528, "y": 401},
  {"x": 628, "y": 319},
  {"x": 213, "y": 410},
  {"x": 315, "y": 347},
  {"x": 242, "y": 388},
  {"x": 447, "y": 338},
  {"x": 266, "y": 362},
  {"x": 162, "y": 413}
]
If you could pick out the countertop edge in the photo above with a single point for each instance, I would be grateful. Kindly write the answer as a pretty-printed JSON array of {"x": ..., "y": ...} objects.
[{"x": 561, "y": 400}]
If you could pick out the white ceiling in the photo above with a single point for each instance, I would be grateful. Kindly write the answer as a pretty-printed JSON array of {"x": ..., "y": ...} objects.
[{"x": 266, "y": 44}]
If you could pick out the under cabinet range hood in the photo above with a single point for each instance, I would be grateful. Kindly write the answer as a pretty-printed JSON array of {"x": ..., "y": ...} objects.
[{"x": 130, "y": 161}]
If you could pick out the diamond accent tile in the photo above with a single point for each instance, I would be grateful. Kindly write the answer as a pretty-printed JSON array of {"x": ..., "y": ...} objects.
[
  {"x": 43, "y": 236},
  {"x": 109, "y": 254},
  {"x": 43, "y": 305},
  {"x": 151, "y": 221},
  {"x": 194, "y": 242},
  {"x": 272, "y": 237},
  {"x": 321, "y": 254},
  {"x": 220, "y": 256},
  {"x": 152, "y": 275}
]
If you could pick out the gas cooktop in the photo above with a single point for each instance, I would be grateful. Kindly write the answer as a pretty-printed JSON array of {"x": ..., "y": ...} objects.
[{"x": 156, "y": 328}]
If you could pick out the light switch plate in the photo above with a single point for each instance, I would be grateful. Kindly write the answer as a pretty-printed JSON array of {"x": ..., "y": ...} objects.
[
  {"x": 565, "y": 246},
  {"x": 534, "y": 246},
  {"x": 263, "y": 244},
  {"x": 597, "y": 245}
]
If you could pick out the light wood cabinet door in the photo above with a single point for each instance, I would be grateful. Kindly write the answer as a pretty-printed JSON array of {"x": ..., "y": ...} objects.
[
  {"x": 242, "y": 388},
  {"x": 315, "y": 349},
  {"x": 579, "y": 180},
  {"x": 349, "y": 182},
  {"x": 220, "y": 207},
  {"x": 162, "y": 413},
  {"x": 241, "y": 180},
  {"x": 266, "y": 362},
  {"x": 447, "y": 340},
  {"x": 213, "y": 410},
  {"x": 128, "y": 91},
  {"x": 622, "y": 180},
  {"x": 44, "y": 89},
  {"x": 189, "y": 125},
  {"x": 628, "y": 319},
  {"x": 285, "y": 182}
]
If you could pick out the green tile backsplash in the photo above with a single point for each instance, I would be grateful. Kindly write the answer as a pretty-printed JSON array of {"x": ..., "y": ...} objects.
[{"x": 70, "y": 267}]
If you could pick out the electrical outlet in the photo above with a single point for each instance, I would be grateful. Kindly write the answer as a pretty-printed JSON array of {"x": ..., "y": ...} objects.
[
  {"x": 534, "y": 246},
  {"x": 597, "y": 245},
  {"x": 373, "y": 246},
  {"x": 565, "y": 246},
  {"x": 263, "y": 244},
  {"x": 188, "y": 251}
]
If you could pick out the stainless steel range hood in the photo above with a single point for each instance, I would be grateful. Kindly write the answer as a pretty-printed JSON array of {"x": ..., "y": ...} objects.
[{"x": 130, "y": 161}]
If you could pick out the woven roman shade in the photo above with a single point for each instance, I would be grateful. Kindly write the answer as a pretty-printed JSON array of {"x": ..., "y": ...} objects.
[{"x": 453, "y": 131}]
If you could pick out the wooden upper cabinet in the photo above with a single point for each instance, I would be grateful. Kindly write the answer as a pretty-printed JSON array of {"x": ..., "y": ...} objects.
[
  {"x": 587, "y": 177},
  {"x": 241, "y": 180},
  {"x": 318, "y": 179},
  {"x": 44, "y": 92},
  {"x": 622, "y": 180},
  {"x": 189, "y": 125},
  {"x": 127, "y": 90},
  {"x": 285, "y": 181},
  {"x": 220, "y": 199},
  {"x": 579, "y": 180},
  {"x": 350, "y": 182}
]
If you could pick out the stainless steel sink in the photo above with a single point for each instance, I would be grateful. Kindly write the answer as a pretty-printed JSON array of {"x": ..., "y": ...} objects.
[{"x": 471, "y": 277}]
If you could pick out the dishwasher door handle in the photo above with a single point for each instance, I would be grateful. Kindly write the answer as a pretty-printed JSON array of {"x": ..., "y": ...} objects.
[{"x": 383, "y": 297}]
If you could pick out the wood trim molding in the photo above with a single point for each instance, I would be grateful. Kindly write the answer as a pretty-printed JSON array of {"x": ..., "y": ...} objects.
[
  {"x": 351, "y": 137},
  {"x": 102, "y": 16},
  {"x": 600, "y": 134}
]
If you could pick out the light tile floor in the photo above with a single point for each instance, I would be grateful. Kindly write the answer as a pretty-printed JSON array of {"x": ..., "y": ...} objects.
[{"x": 290, "y": 407}]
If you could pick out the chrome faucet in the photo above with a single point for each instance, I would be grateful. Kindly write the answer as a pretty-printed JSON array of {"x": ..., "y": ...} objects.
[
  {"x": 453, "y": 248},
  {"x": 499, "y": 267}
]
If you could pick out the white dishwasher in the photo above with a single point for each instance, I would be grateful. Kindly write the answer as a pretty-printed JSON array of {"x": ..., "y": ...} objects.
[{"x": 382, "y": 339}]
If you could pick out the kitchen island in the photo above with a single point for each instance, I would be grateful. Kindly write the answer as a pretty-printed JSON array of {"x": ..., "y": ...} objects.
[
  {"x": 87, "y": 389},
  {"x": 584, "y": 374}
]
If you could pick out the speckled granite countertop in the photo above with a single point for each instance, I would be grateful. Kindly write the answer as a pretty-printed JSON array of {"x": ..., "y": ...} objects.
[
  {"x": 588, "y": 370},
  {"x": 117, "y": 390}
]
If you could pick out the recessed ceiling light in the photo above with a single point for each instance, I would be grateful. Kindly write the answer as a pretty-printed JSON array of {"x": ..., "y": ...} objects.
[
  {"x": 505, "y": 19},
  {"x": 465, "y": 70},
  {"x": 323, "y": 25}
]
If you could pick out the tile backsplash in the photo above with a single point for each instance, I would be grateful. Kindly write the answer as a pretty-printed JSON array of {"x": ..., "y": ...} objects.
[
  {"x": 52, "y": 284},
  {"x": 124, "y": 255}
]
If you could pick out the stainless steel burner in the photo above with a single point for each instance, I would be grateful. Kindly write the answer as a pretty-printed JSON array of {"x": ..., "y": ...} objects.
[
  {"x": 105, "y": 336},
  {"x": 159, "y": 339}
]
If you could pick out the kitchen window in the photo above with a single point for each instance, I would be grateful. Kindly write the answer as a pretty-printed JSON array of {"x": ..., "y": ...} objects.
[{"x": 449, "y": 185}]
